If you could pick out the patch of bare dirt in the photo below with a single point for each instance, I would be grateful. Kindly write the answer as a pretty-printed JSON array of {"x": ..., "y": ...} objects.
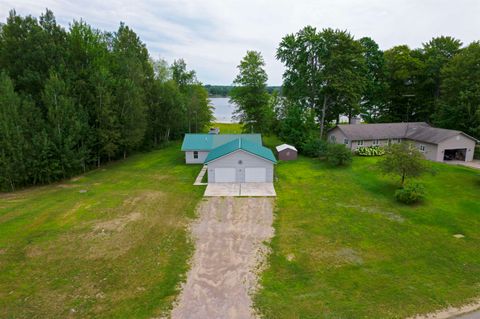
[
  {"x": 33, "y": 251},
  {"x": 117, "y": 224},
  {"x": 349, "y": 255},
  {"x": 66, "y": 185},
  {"x": 114, "y": 237},
  {"x": 452, "y": 312},
  {"x": 229, "y": 253},
  {"x": 372, "y": 210}
]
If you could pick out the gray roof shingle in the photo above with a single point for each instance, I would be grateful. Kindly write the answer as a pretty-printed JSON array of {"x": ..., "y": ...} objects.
[{"x": 419, "y": 131}]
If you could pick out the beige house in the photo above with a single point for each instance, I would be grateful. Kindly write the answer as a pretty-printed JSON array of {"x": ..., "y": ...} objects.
[{"x": 435, "y": 143}]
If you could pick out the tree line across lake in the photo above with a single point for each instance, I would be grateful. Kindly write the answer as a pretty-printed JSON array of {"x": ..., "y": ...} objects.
[
  {"x": 224, "y": 90},
  {"x": 73, "y": 99},
  {"x": 328, "y": 73}
]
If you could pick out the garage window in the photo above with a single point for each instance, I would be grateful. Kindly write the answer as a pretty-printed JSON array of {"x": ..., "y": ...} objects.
[{"x": 195, "y": 154}]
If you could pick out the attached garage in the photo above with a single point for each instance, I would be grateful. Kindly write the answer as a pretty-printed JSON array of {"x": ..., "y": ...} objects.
[
  {"x": 459, "y": 147},
  {"x": 457, "y": 154}
]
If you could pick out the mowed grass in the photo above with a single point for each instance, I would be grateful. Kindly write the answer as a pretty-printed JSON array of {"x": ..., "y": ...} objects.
[
  {"x": 118, "y": 250},
  {"x": 269, "y": 140},
  {"x": 345, "y": 249}
]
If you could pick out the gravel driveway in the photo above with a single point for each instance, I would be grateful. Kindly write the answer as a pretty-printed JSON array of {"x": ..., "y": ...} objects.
[{"x": 229, "y": 235}]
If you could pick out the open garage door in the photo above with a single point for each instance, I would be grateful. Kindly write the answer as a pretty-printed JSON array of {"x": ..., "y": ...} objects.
[
  {"x": 225, "y": 175},
  {"x": 457, "y": 154},
  {"x": 255, "y": 175}
]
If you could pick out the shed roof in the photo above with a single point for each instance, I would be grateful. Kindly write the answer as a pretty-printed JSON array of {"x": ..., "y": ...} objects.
[
  {"x": 241, "y": 144},
  {"x": 207, "y": 142},
  {"x": 284, "y": 147},
  {"x": 419, "y": 131}
]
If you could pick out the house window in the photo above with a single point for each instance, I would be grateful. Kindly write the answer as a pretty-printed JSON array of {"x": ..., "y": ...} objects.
[
  {"x": 332, "y": 138},
  {"x": 195, "y": 154},
  {"x": 359, "y": 143},
  {"x": 375, "y": 142},
  {"x": 389, "y": 141},
  {"x": 345, "y": 141},
  {"x": 422, "y": 148}
]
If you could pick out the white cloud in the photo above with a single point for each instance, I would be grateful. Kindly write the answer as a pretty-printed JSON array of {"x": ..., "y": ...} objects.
[{"x": 213, "y": 35}]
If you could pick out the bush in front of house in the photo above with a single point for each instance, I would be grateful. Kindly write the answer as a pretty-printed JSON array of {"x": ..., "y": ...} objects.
[
  {"x": 314, "y": 147},
  {"x": 338, "y": 154},
  {"x": 410, "y": 193},
  {"x": 370, "y": 151},
  {"x": 476, "y": 155}
]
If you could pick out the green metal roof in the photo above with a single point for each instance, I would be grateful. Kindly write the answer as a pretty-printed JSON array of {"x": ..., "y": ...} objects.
[
  {"x": 207, "y": 142},
  {"x": 241, "y": 144}
]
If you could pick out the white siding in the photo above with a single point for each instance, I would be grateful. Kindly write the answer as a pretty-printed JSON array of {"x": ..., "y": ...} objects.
[
  {"x": 247, "y": 160},
  {"x": 430, "y": 151},
  {"x": 367, "y": 143},
  {"x": 339, "y": 137},
  {"x": 202, "y": 155}
]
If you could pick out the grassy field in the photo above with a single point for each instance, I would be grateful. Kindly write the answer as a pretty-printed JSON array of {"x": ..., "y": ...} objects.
[
  {"x": 345, "y": 249},
  {"x": 113, "y": 244},
  {"x": 117, "y": 250}
]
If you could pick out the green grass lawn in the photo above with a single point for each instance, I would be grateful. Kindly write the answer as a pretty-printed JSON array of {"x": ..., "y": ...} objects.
[
  {"x": 116, "y": 251},
  {"x": 345, "y": 249}
]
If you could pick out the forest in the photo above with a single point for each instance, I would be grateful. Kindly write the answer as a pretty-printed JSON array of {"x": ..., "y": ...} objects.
[
  {"x": 73, "y": 99},
  {"x": 329, "y": 74}
]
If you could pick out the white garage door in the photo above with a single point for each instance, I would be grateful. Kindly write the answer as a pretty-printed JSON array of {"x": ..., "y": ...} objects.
[
  {"x": 224, "y": 175},
  {"x": 255, "y": 175}
]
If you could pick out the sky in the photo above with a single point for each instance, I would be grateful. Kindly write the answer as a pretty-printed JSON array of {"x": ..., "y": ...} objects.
[{"x": 213, "y": 35}]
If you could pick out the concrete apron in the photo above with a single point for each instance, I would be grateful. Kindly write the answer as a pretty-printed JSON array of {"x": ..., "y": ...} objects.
[{"x": 240, "y": 189}]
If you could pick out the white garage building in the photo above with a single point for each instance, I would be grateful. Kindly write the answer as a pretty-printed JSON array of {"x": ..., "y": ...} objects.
[{"x": 240, "y": 158}]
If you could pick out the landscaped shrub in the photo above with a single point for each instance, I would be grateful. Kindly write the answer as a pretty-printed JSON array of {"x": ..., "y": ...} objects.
[
  {"x": 338, "y": 154},
  {"x": 476, "y": 155},
  {"x": 314, "y": 147},
  {"x": 410, "y": 193},
  {"x": 370, "y": 151}
]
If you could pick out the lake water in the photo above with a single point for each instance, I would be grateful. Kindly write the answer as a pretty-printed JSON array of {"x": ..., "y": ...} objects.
[{"x": 223, "y": 109}]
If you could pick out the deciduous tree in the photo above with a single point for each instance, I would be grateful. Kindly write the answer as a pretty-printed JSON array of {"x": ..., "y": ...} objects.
[{"x": 250, "y": 93}]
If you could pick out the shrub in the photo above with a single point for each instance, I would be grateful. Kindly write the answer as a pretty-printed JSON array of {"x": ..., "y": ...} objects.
[
  {"x": 370, "y": 151},
  {"x": 314, "y": 147},
  {"x": 338, "y": 154},
  {"x": 410, "y": 193},
  {"x": 476, "y": 155}
]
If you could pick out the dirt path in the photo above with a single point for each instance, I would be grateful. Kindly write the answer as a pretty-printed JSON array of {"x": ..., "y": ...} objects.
[{"x": 229, "y": 236}]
